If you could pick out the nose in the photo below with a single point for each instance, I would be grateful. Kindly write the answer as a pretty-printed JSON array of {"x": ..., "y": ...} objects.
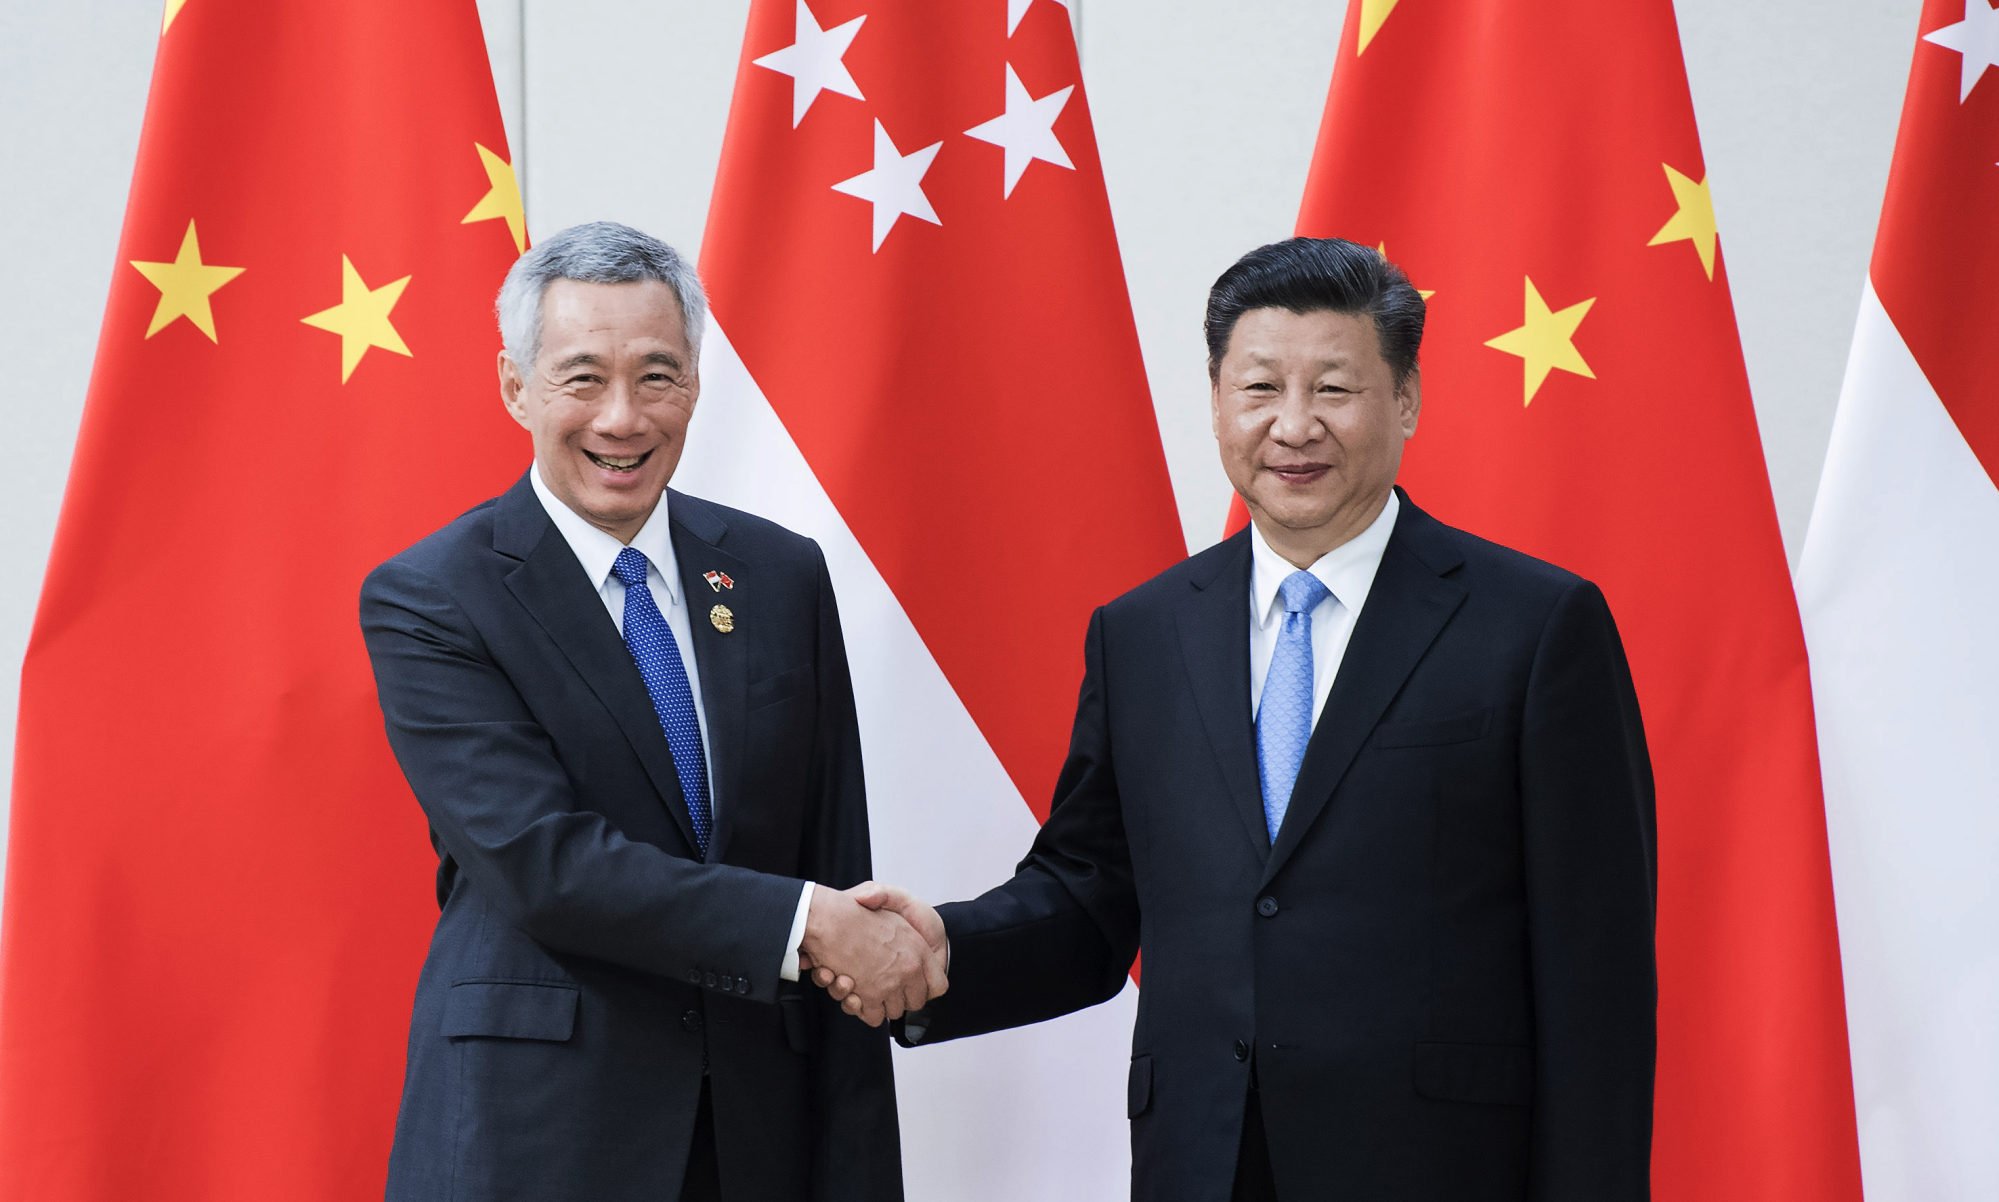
[
  {"x": 1295, "y": 424},
  {"x": 617, "y": 413}
]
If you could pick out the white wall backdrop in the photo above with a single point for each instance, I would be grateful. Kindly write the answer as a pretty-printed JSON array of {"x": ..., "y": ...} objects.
[{"x": 1205, "y": 114}]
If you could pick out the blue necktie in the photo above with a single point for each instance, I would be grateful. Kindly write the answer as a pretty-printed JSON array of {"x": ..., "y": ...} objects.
[
  {"x": 658, "y": 656},
  {"x": 1284, "y": 716}
]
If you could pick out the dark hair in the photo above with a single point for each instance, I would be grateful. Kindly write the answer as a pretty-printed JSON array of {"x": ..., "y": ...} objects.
[{"x": 1315, "y": 275}]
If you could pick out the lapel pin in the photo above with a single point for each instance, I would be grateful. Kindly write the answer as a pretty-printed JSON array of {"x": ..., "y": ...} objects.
[
  {"x": 721, "y": 619},
  {"x": 717, "y": 581}
]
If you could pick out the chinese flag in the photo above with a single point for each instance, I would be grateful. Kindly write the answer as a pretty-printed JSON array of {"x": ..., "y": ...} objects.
[
  {"x": 1897, "y": 584},
  {"x": 923, "y": 354},
  {"x": 218, "y": 885},
  {"x": 1535, "y": 169}
]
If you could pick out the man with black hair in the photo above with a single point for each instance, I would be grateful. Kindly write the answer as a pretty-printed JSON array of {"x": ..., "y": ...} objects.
[{"x": 1372, "y": 795}]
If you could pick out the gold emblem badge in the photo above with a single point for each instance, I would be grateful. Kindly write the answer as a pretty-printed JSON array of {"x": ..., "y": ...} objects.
[{"x": 722, "y": 619}]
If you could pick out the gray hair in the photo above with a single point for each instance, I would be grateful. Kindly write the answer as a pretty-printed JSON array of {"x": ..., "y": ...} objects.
[{"x": 597, "y": 252}]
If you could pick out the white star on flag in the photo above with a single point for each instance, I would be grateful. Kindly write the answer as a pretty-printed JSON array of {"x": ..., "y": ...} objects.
[
  {"x": 813, "y": 60},
  {"x": 1016, "y": 9},
  {"x": 1976, "y": 38},
  {"x": 895, "y": 185},
  {"x": 1026, "y": 130}
]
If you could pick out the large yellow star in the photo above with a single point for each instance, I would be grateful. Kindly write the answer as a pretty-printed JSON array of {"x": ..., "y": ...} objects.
[
  {"x": 361, "y": 318},
  {"x": 1426, "y": 293},
  {"x": 502, "y": 199},
  {"x": 1546, "y": 340},
  {"x": 173, "y": 10},
  {"x": 185, "y": 286},
  {"x": 1695, "y": 220},
  {"x": 1372, "y": 14}
]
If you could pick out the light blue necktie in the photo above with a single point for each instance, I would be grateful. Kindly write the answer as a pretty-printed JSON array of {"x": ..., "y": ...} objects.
[
  {"x": 1284, "y": 716},
  {"x": 658, "y": 656}
]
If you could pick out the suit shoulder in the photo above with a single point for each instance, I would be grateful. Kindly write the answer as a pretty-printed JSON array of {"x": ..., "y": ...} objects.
[
  {"x": 437, "y": 553},
  {"x": 1492, "y": 565},
  {"x": 1195, "y": 571},
  {"x": 749, "y": 536}
]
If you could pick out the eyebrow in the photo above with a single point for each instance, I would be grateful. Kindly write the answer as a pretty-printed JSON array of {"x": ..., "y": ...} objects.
[
  {"x": 587, "y": 359},
  {"x": 1258, "y": 359}
]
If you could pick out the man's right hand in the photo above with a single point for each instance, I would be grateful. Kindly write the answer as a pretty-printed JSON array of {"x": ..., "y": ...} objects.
[
  {"x": 887, "y": 967},
  {"x": 922, "y": 918}
]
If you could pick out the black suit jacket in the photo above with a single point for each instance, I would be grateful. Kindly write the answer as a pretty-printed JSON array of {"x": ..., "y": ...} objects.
[
  {"x": 1441, "y": 974},
  {"x": 587, "y": 967}
]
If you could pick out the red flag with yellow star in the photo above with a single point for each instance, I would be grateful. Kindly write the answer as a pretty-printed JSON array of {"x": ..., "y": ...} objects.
[
  {"x": 215, "y": 903},
  {"x": 1535, "y": 168}
]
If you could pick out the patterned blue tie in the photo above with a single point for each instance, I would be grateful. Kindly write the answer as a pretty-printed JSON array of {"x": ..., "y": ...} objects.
[
  {"x": 658, "y": 656},
  {"x": 1284, "y": 716}
]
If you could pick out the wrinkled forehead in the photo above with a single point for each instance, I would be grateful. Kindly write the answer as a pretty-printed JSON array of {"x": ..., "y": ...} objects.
[{"x": 637, "y": 318}]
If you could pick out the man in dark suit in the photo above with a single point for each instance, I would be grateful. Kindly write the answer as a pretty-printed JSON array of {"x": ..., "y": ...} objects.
[
  {"x": 627, "y": 714},
  {"x": 1373, "y": 797}
]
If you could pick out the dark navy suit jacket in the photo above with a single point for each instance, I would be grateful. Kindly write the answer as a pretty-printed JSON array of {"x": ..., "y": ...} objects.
[
  {"x": 588, "y": 969},
  {"x": 1441, "y": 974}
]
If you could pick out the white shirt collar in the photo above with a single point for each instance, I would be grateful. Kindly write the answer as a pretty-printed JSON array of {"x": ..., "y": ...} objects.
[
  {"x": 1347, "y": 570},
  {"x": 598, "y": 551}
]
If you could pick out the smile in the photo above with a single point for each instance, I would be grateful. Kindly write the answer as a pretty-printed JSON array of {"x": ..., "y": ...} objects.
[{"x": 609, "y": 463}]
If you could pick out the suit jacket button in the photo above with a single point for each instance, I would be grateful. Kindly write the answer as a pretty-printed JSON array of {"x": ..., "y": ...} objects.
[
  {"x": 728, "y": 984},
  {"x": 708, "y": 979},
  {"x": 1267, "y": 906},
  {"x": 742, "y": 984},
  {"x": 1241, "y": 1050},
  {"x": 691, "y": 1022},
  {"x": 693, "y": 976}
]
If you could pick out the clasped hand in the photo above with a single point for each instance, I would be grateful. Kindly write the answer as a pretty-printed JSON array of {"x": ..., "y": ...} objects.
[{"x": 878, "y": 951}]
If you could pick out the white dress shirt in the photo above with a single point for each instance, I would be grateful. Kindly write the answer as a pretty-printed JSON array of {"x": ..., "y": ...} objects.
[
  {"x": 598, "y": 552},
  {"x": 1347, "y": 571}
]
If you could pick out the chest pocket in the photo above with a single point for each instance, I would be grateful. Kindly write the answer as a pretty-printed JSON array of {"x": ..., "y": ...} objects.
[
  {"x": 1459, "y": 728},
  {"x": 781, "y": 687}
]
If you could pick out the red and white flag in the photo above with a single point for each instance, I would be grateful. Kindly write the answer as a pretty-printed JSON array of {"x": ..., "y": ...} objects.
[
  {"x": 1534, "y": 166},
  {"x": 217, "y": 894},
  {"x": 923, "y": 355},
  {"x": 1898, "y": 583}
]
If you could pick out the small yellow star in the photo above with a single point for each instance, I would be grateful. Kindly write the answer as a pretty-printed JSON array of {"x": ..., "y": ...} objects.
[
  {"x": 185, "y": 286},
  {"x": 502, "y": 199},
  {"x": 1426, "y": 293},
  {"x": 361, "y": 318},
  {"x": 173, "y": 10},
  {"x": 1546, "y": 340},
  {"x": 1695, "y": 220},
  {"x": 1372, "y": 14}
]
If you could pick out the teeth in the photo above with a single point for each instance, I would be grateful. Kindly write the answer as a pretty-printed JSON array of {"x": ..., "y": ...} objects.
[{"x": 618, "y": 464}]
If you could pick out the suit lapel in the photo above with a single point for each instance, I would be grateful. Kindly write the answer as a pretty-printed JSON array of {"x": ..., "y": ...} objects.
[
  {"x": 1214, "y": 638},
  {"x": 550, "y": 584},
  {"x": 1407, "y": 606},
  {"x": 722, "y": 657}
]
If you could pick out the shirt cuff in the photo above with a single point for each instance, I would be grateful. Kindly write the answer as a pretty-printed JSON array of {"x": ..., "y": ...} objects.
[{"x": 788, "y": 971}]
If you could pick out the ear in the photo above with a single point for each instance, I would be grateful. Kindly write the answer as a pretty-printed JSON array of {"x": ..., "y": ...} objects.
[
  {"x": 1409, "y": 402},
  {"x": 1215, "y": 407},
  {"x": 510, "y": 389}
]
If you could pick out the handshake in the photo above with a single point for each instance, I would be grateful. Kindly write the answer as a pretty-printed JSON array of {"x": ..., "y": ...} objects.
[{"x": 875, "y": 949}]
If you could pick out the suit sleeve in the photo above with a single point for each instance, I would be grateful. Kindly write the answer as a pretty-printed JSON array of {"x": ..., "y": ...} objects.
[
  {"x": 1062, "y": 934},
  {"x": 502, "y": 807},
  {"x": 856, "y": 1151},
  {"x": 1591, "y": 871}
]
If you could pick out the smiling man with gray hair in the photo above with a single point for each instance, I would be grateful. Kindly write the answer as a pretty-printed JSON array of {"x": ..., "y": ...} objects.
[{"x": 627, "y": 715}]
